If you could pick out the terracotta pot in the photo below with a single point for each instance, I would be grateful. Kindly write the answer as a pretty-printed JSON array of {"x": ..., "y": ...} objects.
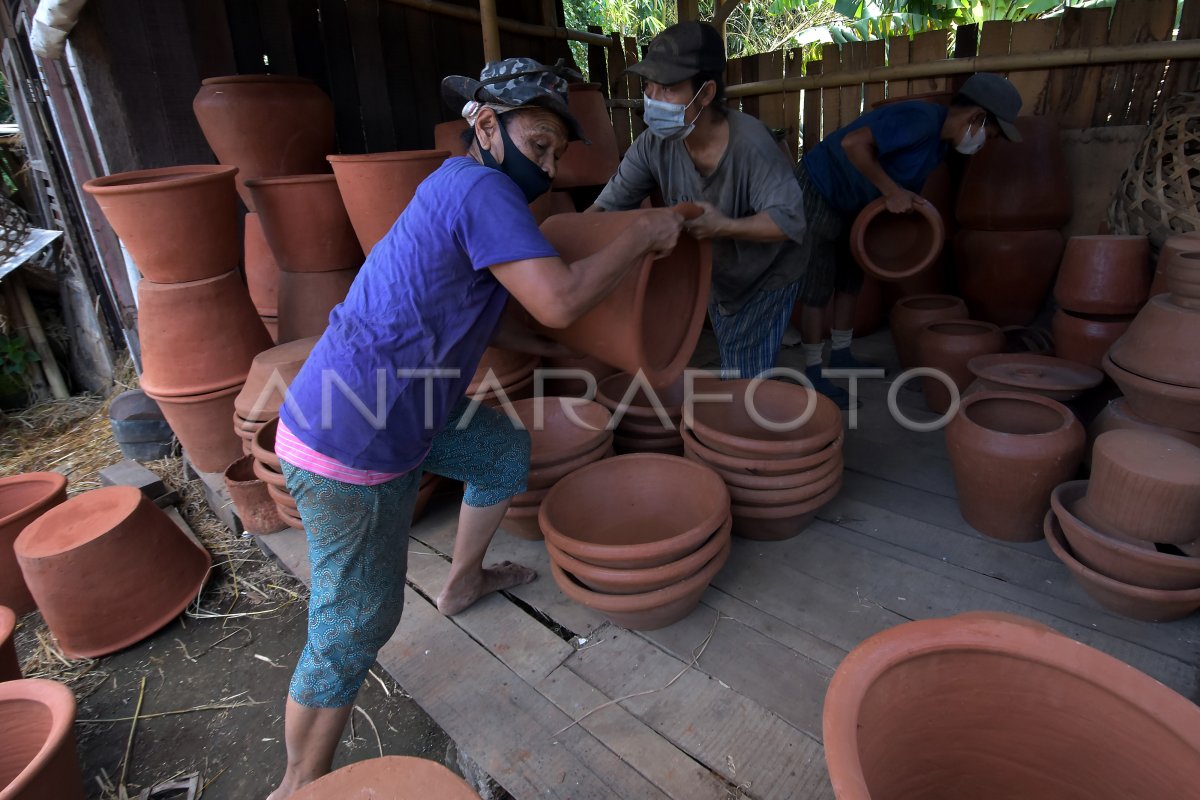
[
  {"x": 775, "y": 523},
  {"x": 1055, "y": 378},
  {"x": 307, "y": 298},
  {"x": 274, "y": 480},
  {"x": 1170, "y": 250},
  {"x": 178, "y": 223},
  {"x": 896, "y": 246},
  {"x": 1160, "y": 344},
  {"x": 551, "y": 203},
  {"x": 254, "y": 505},
  {"x": 1005, "y": 275},
  {"x": 571, "y": 386},
  {"x": 949, "y": 346},
  {"x": 262, "y": 273},
  {"x": 266, "y": 125},
  {"x": 271, "y": 372},
  {"x": 1117, "y": 415},
  {"x": 750, "y": 479},
  {"x": 139, "y": 568},
  {"x": 282, "y": 499},
  {"x": 668, "y": 507},
  {"x": 562, "y": 429},
  {"x": 630, "y": 403},
  {"x": 377, "y": 187},
  {"x": 271, "y": 323},
  {"x": 1128, "y": 736},
  {"x": 38, "y": 760},
  {"x": 1158, "y": 403},
  {"x": 393, "y": 777},
  {"x": 523, "y": 522},
  {"x": 448, "y": 136},
  {"x": 506, "y": 368},
  {"x": 291, "y": 518},
  {"x": 818, "y": 481},
  {"x": 1129, "y": 561},
  {"x": 1085, "y": 338},
  {"x": 23, "y": 498},
  {"x": 10, "y": 666},
  {"x": 765, "y": 467},
  {"x": 1104, "y": 274},
  {"x": 201, "y": 423},
  {"x": 1033, "y": 172},
  {"x": 911, "y": 314},
  {"x": 650, "y": 430},
  {"x": 545, "y": 477},
  {"x": 735, "y": 426},
  {"x": 652, "y": 320},
  {"x": 305, "y": 223},
  {"x": 1008, "y": 451},
  {"x": 212, "y": 321},
  {"x": 263, "y": 446},
  {"x": 589, "y": 164}
]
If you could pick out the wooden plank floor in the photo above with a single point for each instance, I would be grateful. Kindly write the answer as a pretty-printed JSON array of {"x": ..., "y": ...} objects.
[{"x": 727, "y": 703}]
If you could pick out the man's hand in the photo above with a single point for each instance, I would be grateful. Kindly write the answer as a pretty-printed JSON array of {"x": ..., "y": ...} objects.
[
  {"x": 710, "y": 224},
  {"x": 902, "y": 201}
]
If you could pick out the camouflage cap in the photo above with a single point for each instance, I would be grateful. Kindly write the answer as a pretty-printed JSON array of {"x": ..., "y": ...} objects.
[
  {"x": 680, "y": 52},
  {"x": 520, "y": 83}
]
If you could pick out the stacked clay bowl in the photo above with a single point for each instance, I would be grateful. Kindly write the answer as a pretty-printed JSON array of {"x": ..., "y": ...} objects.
[
  {"x": 1117, "y": 415},
  {"x": 893, "y": 247},
  {"x": 1048, "y": 376},
  {"x": 271, "y": 372},
  {"x": 38, "y": 760},
  {"x": 1183, "y": 280},
  {"x": 645, "y": 420},
  {"x": 503, "y": 374},
  {"x": 565, "y": 434},
  {"x": 1104, "y": 275},
  {"x": 777, "y": 447},
  {"x": 1172, "y": 249},
  {"x": 638, "y": 537}
]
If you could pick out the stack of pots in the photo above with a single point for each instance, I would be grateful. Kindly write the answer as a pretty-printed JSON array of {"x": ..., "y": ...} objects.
[
  {"x": 638, "y": 537},
  {"x": 39, "y": 760},
  {"x": 198, "y": 328},
  {"x": 1172, "y": 248},
  {"x": 1102, "y": 283},
  {"x": 377, "y": 187},
  {"x": 911, "y": 314},
  {"x": 262, "y": 274},
  {"x": 565, "y": 434},
  {"x": 503, "y": 374},
  {"x": 1014, "y": 198},
  {"x": 777, "y": 447},
  {"x": 946, "y": 347},
  {"x": 583, "y": 381},
  {"x": 1120, "y": 532},
  {"x": 23, "y": 499},
  {"x": 645, "y": 420},
  {"x": 271, "y": 372},
  {"x": 1118, "y": 416}
]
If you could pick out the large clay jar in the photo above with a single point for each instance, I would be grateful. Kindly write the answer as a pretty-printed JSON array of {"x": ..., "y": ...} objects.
[
  {"x": 1161, "y": 344},
  {"x": 23, "y": 498},
  {"x": 651, "y": 321},
  {"x": 108, "y": 568},
  {"x": 1159, "y": 403},
  {"x": 10, "y": 666},
  {"x": 762, "y": 419},
  {"x": 911, "y": 314},
  {"x": 262, "y": 271},
  {"x": 178, "y": 223},
  {"x": 1085, "y": 337},
  {"x": 254, "y": 505},
  {"x": 893, "y": 247},
  {"x": 949, "y": 346},
  {"x": 1020, "y": 712},
  {"x": 306, "y": 298},
  {"x": 1104, "y": 274},
  {"x": 1017, "y": 186},
  {"x": 448, "y": 136},
  {"x": 1005, "y": 275},
  {"x": 589, "y": 164},
  {"x": 1008, "y": 451},
  {"x": 305, "y": 223},
  {"x": 377, "y": 187},
  {"x": 393, "y": 777},
  {"x": 201, "y": 423},
  {"x": 38, "y": 760},
  {"x": 266, "y": 125}
]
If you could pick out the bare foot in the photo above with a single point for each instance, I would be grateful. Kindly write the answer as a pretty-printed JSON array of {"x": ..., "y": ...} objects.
[{"x": 462, "y": 594}]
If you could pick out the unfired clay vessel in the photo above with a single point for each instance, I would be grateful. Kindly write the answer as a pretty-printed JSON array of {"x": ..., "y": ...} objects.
[
  {"x": 1171, "y": 249},
  {"x": 377, "y": 187},
  {"x": 1117, "y": 415},
  {"x": 1048, "y": 376},
  {"x": 305, "y": 223},
  {"x": 389, "y": 778},
  {"x": 735, "y": 426},
  {"x": 260, "y": 269},
  {"x": 1005, "y": 275},
  {"x": 261, "y": 395},
  {"x": 1161, "y": 344},
  {"x": 896, "y": 246},
  {"x": 911, "y": 314},
  {"x": 759, "y": 473},
  {"x": 1033, "y": 172},
  {"x": 1159, "y": 403},
  {"x": 201, "y": 423},
  {"x": 562, "y": 429},
  {"x": 254, "y": 505},
  {"x": 1086, "y": 338},
  {"x": 23, "y": 498},
  {"x": 38, "y": 760},
  {"x": 10, "y": 667},
  {"x": 949, "y": 347},
  {"x": 775, "y": 523},
  {"x": 1104, "y": 274}
]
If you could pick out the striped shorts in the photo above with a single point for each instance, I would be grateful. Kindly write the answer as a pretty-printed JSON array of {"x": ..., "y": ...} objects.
[
  {"x": 749, "y": 339},
  {"x": 831, "y": 266}
]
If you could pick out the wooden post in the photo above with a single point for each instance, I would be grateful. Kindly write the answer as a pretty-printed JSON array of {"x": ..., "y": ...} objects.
[
  {"x": 488, "y": 20},
  {"x": 688, "y": 9},
  {"x": 721, "y": 15}
]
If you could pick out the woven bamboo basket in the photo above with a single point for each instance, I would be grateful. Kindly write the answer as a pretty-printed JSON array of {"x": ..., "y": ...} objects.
[{"x": 14, "y": 226}]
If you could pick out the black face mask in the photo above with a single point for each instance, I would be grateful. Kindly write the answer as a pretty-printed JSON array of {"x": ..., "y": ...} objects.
[{"x": 532, "y": 180}]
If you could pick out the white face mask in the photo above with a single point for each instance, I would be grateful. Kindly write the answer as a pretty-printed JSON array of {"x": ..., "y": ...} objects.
[
  {"x": 971, "y": 143},
  {"x": 666, "y": 120}
]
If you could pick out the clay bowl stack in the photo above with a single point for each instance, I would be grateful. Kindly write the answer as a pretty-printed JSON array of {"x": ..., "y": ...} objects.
[
  {"x": 638, "y": 537},
  {"x": 271, "y": 372},
  {"x": 1120, "y": 532},
  {"x": 566, "y": 434},
  {"x": 645, "y": 420},
  {"x": 777, "y": 447},
  {"x": 503, "y": 373}
]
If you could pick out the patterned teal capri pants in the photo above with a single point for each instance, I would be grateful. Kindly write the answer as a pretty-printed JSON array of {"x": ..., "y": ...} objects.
[{"x": 358, "y": 547}]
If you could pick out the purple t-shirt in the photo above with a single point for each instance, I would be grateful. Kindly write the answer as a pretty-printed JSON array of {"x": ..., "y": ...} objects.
[{"x": 424, "y": 301}]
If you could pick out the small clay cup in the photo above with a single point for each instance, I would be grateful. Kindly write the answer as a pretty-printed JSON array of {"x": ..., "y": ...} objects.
[
  {"x": 949, "y": 347},
  {"x": 1156, "y": 402},
  {"x": 567, "y": 428},
  {"x": 782, "y": 468},
  {"x": 10, "y": 666},
  {"x": 893, "y": 247},
  {"x": 1048, "y": 376},
  {"x": 253, "y": 503},
  {"x": 391, "y": 777},
  {"x": 305, "y": 223},
  {"x": 23, "y": 498},
  {"x": 911, "y": 314},
  {"x": 721, "y": 418},
  {"x": 1104, "y": 274},
  {"x": 1160, "y": 344},
  {"x": 775, "y": 523},
  {"x": 1086, "y": 338},
  {"x": 38, "y": 760}
]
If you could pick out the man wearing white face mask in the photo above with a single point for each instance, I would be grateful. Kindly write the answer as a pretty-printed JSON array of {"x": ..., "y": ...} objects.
[{"x": 887, "y": 152}]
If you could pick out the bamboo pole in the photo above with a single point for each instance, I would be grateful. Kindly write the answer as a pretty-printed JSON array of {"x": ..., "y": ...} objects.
[
  {"x": 491, "y": 30},
  {"x": 37, "y": 335},
  {"x": 504, "y": 24}
]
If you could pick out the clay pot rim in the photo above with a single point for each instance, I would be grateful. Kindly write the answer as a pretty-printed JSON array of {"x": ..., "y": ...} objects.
[
  {"x": 746, "y": 480},
  {"x": 630, "y": 411},
  {"x": 247, "y": 459},
  {"x": 268, "y": 475},
  {"x": 787, "y": 466},
  {"x": 259, "y": 450},
  {"x": 980, "y": 327},
  {"x": 511, "y": 379},
  {"x": 257, "y": 78},
  {"x": 1188, "y": 394},
  {"x": 830, "y": 473},
  {"x": 59, "y": 701},
  {"x": 293, "y": 521},
  {"x": 876, "y": 208},
  {"x": 1102, "y": 319},
  {"x": 651, "y": 442},
  {"x": 8, "y": 623},
  {"x": 790, "y": 510},
  {"x": 538, "y": 473},
  {"x": 394, "y": 155},
  {"x": 583, "y": 409},
  {"x": 281, "y": 497},
  {"x": 779, "y": 445},
  {"x": 55, "y": 483},
  {"x": 1067, "y": 419},
  {"x": 1111, "y": 237},
  {"x": 160, "y": 179},
  {"x": 200, "y": 396},
  {"x": 1090, "y": 377},
  {"x": 905, "y": 302},
  {"x": 290, "y": 180}
]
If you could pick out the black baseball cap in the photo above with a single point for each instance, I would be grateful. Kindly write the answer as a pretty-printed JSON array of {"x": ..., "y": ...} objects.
[
  {"x": 998, "y": 97},
  {"x": 680, "y": 52}
]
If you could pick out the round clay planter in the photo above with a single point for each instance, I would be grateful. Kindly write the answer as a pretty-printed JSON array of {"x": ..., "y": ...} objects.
[
  {"x": 266, "y": 125},
  {"x": 651, "y": 321},
  {"x": 523, "y": 522},
  {"x": 38, "y": 760},
  {"x": 1005, "y": 275},
  {"x": 263, "y": 446},
  {"x": 1160, "y": 344},
  {"x": 1008, "y": 451},
  {"x": 253, "y": 503},
  {"x": 178, "y": 223},
  {"x": 792, "y": 480},
  {"x": 10, "y": 666},
  {"x": 138, "y": 426},
  {"x": 1104, "y": 274},
  {"x": 1132, "y": 562},
  {"x": 574, "y": 385},
  {"x": 634, "y": 581},
  {"x": 262, "y": 273},
  {"x": 1145, "y": 486},
  {"x": 1158, "y": 403},
  {"x": 448, "y": 136},
  {"x": 652, "y": 430},
  {"x": 212, "y": 321},
  {"x": 776, "y": 523},
  {"x": 307, "y": 298},
  {"x": 567, "y": 428},
  {"x": 391, "y": 777},
  {"x": 631, "y": 405},
  {"x": 645, "y": 611},
  {"x": 735, "y": 426},
  {"x": 783, "y": 468},
  {"x": 586, "y": 164},
  {"x": 377, "y": 187},
  {"x": 1020, "y": 712},
  {"x": 545, "y": 477},
  {"x": 108, "y": 568},
  {"x": 893, "y": 247},
  {"x": 634, "y": 511},
  {"x": 23, "y": 498},
  {"x": 818, "y": 483},
  {"x": 1055, "y": 378},
  {"x": 282, "y": 499},
  {"x": 201, "y": 423},
  {"x": 305, "y": 223},
  {"x": 291, "y": 518},
  {"x": 271, "y": 372},
  {"x": 1086, "y": 338},
  {"x": 1117, "y": 415},
  {"x": 949, "y": 347},
  {"x": 911, "y": 314},
  {"x": 1033, "y": 172}
]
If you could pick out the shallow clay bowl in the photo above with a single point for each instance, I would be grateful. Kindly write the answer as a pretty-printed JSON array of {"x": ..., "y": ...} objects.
[
  {"x": 1056, "y": 378},
  {"x": 806, "y": 477},
  {"x": 509, "y": 369},
  {"x": 635, "y": 511},
  {"x": 522, "y": 522},
  {"x": 773, "y": 523},
  {"x": 569, "y": 427},
  {"x": 822, "y": 478},
  {"x": 758, "y": 467},
  {"x": 812, "y": 419},
  {"x": 638, "y": 409},
  {"x": 262, "y": 447},
  {"x": 282, "y": 498},
  {"x": 1160, "y": 344},
  {"x": 273, "y": 368},
  {"x": 652, "y": 429},
  {"x": 893, "y": 247},
  {"x": 1160, "y": 403},
  {"x": 545, "y": 477},
  {"x": 268, "y": 475}
]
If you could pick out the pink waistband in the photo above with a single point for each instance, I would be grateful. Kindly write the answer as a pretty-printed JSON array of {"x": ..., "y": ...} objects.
[{"x": 298, "y": 454}]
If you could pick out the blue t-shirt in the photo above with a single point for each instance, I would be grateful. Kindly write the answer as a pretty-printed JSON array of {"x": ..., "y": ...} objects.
[
  {"x": 908, "y": 140},
  {"x": 424, "y": 300}
]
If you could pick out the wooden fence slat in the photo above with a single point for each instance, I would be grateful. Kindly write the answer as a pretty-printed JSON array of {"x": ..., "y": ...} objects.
[
  {"x": 633, "y": 86},
  {"x": 854, "y": 56},
  {"x": 246, "y": 35},
  {"x": 1181, "y": 75},
  {"x": 749, "y": 73},
  {"x": 379, "y": 130},
  {"x": 898, "y": 53},
  {"x": 929, "y": 46},
  {"x": 307, "y": 44},
  {"x": 873, "y": 92},
  {"x": 1122, "y": 86},
  {"x": 427, "y": 97},
  {"x": 619, "y": 90},
  {"x": 792, "y": 65},
  {"x": 812, "y": 110},
  {"x": 994, "y": 38},
  {"x": 831, "y": 120},
  {"x": 770, "y": 107},
  {"x": 1073, "y": 91},
  {"x": 597, "y": 64},
  {"x": 1033, "y": 36},
  {"x": 275, "y": 24},
  {"x": 398, "y": 72},
  {"x": 343, "y": 83},
  {"x": 208, "y": 30}
]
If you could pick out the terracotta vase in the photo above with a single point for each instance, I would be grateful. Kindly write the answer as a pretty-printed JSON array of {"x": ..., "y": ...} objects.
[
  {"x": 1117, "y": 415},
  {"x": 1161, "y": 344},
  {"x": 589, "y": 164},
  {"x": 38, "y": 760},
  {"x": 23, "y": 498},
  {"x": 377, "y": 187},
  {"x": 306, "y": 223},
  {"x": 776, "y": 523},
  {"x": 262, "y": 272},
  {"x": 896, "y": 246},
  {"x": 254, "y": 505},
  {"x": 393, "y": 777},
  {"x": 178, "y": 223},
  {"x": 1171, "y": 249},
  {"x": 307, "y": 298},
  {"x": 266, "y": 383},
  {"x": 1158, "y": 403},
  {"x": 266, "y": 125},
  {"x": 911, "y": 314},
  {"x": 448, "y": 136},
  {"x": 1005, "y": 275},
  {"x": 748, "y": 472},
  {"x": 1008, "y": 451},
  {"x": 139, "y": 569},
  {"x": 949, "y": 346},
  {"x": 561, "y": 429},
  {"x": 212, "y": 321},
  {"x": 201, "y": 423},
  {"x": 1055, "y": 378},
  {"x": 1128, "y": 736},
  {"x": 1033, "y": 172},
  {"x": 762, "y": 419},
  {"x": 651, "y": 321},
  {"x": 1086, "y": 338},
  {"x": 10, "y": 666},
  {"x": 1104, "y": 274}
]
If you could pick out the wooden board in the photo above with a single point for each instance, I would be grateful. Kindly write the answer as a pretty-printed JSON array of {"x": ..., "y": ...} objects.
[
  {"x": 1127, "y": 91},
  {"x": 898, "y": 53},
  {"x": 246, "y": 35},
  {"x": 929, "y": 46},
  {"x": 876, "y": 56},
  {"x": 379, "y": 130},
  {"x": 619, "y": 90},
  {"x": 812, "y": 110},
  {"x": 633, "y": 85},
  {"x": 1033, "y": 36},
  {"x": 994, "y": 38},
  {"x": 792, "y": 65},
  {"x": 1073, "y": 91},
  {"x": 854, "y": 57},
  {"x": 425, "y": 107},
  {"x": 771, "y": 106},
  {"x": 275, "y": 27},
  {"x": 414, "y": 129},
  {"x": 1181, "y": 75},
  {"x": 343, "y": 77},
  {"x": 831, "y": 119}
]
